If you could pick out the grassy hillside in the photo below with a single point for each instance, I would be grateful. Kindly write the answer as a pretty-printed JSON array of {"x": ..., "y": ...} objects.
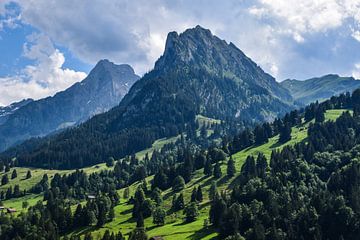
[{"x": 175, "y": 228}]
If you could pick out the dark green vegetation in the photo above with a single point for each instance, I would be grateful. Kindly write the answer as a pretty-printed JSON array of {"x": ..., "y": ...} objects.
[
  {"x": 198, "y": 74},
  {"x": 101, "y": 90},
  {"x": 295, "y": 192},
  {"x": 319, "y": 89},
  {"x": 215, "y": 168}
]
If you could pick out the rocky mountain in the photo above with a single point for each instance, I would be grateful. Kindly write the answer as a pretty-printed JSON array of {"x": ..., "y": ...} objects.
[
  {"x": 101, "y": 90},
  {"x": 320, "y": 88},
  {"x": 197, "y": 74},
  {"x": 6, "y": 111}
]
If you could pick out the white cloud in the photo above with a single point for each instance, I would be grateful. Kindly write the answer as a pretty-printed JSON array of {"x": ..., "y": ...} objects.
[
  {"x": 356, "y": 71},
  {"x": 44, "y": 78},
  {"x": 308, "y": 16},
  {"x": 287, "y": 38}
]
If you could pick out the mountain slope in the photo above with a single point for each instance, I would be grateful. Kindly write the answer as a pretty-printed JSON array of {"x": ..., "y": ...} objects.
[
  {"x": 321, "y": 88},
  {"x": 6, "y": 111},
  {"x": 197, "y": 74},
  {"x": 104, "y": 88}
]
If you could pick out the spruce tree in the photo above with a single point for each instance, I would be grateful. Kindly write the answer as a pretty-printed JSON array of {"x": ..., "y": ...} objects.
[
  {"x": 4, "y": 179},
  {"x": 231, "y": 167},
  {"x": 199, "y": 194},
  {"x": 14, "y": 174},
  {"x": 208, "y": 168},
  {"x": 28, "y": 174},
  {"x": 217, "y": 170}
]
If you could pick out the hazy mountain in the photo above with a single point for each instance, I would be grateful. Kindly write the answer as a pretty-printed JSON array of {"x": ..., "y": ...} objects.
[
  {"x": 321, "y": 88},
  {"x": 6, "y": 111},
  {"x": 197, "y": 74},
  {"x": 101, "y": 90}
]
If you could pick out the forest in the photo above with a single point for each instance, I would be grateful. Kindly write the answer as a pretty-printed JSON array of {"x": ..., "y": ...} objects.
[{"x": 310, "y": 190}]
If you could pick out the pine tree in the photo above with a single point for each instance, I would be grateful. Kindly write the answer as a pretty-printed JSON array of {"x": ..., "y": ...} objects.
[
  {"x": 179, "y": 203},
  {"x": 231, "y": 167},
  {"x": 285, "y": 133},
  {"x": 261, "y": 165},
  {"x": 14, "y": 174},
  {"x": 191, "y": 212},
  {"x": 199, "y": 194},
  {"x": 178, "y": 184},
  {"x": 193, "y": 195},
  {"x": 208, "y": 168},
  {"x": 4, "y": 179},
  {"x": 159, "y": 216},
  {"x": 320, "y": 116},
  {"x": 217, "y": 170},
  {"x": 88, "y": 236},
  {"x": 212, "y": 190},
  {"x": 28, "y": 174},
  {"x": 126, "y": 194}
]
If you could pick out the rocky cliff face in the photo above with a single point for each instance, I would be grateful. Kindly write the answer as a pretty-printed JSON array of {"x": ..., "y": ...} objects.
[{"x": 101, "y": 90}]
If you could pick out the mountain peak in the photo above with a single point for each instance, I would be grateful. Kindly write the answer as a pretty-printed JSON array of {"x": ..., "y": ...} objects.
[
  {"x": 106, "y": 65},
  {"x": 194, "y": 46}
]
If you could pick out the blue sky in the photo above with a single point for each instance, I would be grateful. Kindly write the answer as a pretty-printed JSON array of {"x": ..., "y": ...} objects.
[{"x": 46, "y": 46}]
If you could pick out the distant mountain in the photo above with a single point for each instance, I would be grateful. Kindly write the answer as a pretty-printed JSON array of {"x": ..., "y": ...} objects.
[
  {"x": 197, "y": 74},
  {"x": 6, "y": 111},
  {"x": 101, "y": 90},
  {"x": 321, "y": 88}
]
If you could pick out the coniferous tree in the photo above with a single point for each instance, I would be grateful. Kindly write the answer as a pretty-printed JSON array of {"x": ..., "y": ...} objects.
[
  {"x": 285, "y": 133},
  {"x": 28, "y": 174},
  {"x": 14, "y": 174},
  {"x": 193, "y": 195},
  {"x": 88, "y": 236},
  {"x": 261, "y": 165},
  {"x": 212, "y": 190},
  {"x": 179, "y": 202},
  {"x": 217, "y": 170},
  {"x": 159, "y": 216},
  {"x": 208, "y": 169},
  {"x": 4, "y": 179},
  {"x": 199, "y": 194},
  {"x": 191, "y": 212},
  {"x": 320, "y": 116},
  {"x": 231, "y": 167},
  {"x": 178, "y": 184}
]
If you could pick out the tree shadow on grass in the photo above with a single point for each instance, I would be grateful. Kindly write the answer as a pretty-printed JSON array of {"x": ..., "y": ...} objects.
[
  {"x": 182, "y": 223},
  {"x": 202, "y": 233},
  {"x": 127, "y": 211},
  {"x": 235, "y": 182},
  {"x": 199, "y": 180},
  {"x": 222, "y": 180}
]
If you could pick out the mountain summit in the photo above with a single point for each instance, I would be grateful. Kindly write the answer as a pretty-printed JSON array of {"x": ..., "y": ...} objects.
[
  {"x": 198, "y": 48},
  {"x": 101, "y": 90},
  {"x": 197, "y": 74}
]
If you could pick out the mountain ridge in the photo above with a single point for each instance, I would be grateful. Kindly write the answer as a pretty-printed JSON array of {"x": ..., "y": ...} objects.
[
  {"x": 101, "y": 90},
  {"x": 319, "y": 88},
  {"x": 197, "y": 74}
]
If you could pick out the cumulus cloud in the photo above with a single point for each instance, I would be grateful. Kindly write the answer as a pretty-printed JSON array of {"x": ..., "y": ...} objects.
[
  {"x": 45, "y": 77},
  {"x": 308, "y": 16},
  {"x": 287, "y": 38}
]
